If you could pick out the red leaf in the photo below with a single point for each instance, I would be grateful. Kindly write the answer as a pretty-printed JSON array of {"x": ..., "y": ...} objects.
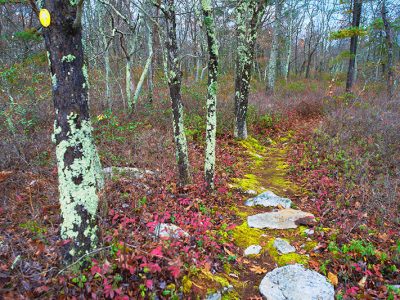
[
  {"x": 157, "y": 252},
  {"x": 149, "y": 283},
  {"x": 175, "y": 271}
]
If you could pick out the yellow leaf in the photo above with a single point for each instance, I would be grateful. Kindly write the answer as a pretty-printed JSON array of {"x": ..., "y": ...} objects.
[{"x": 333, "y": 278}]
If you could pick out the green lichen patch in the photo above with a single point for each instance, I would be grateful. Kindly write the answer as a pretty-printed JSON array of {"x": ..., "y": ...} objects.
[
  {"x": 244, "y": 236},
  {"x": 68, "y": 58},
  {"x": 285, "y": 259}
]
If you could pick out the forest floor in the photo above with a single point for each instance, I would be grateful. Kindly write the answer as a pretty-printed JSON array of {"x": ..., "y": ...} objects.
[
  {"x": 357, "y": 257},
  {"x": 355, "y": 241}
]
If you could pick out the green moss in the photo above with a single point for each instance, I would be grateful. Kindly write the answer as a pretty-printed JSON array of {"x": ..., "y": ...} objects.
[
  {"x": 249, "y": 182},
  {"x": 252, "y": 145},
  {"x": 309, "y": 246},
  {"x": 244, "y": 236},
  {"x": 285, "y": 259},
  {"x": 232, "y": 295},
  {"x": 186, "y": 284},
  {"x": 240, "y": 213}
]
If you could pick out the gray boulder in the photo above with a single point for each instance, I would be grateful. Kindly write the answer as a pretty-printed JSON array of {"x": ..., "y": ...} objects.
[
  {"x": 269, "y": 199},
  {"x": 294, "y": 282}
]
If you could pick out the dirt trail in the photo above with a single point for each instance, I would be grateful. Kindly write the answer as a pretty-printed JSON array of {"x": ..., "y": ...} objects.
[{"x": 268, "y": 170}]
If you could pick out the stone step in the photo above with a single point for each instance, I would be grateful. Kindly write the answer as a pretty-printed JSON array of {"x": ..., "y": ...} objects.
[
  {"x": 294, "y": 282},
  {"x": 269, "y": 199},
  {"x": 282, "y": 219}
]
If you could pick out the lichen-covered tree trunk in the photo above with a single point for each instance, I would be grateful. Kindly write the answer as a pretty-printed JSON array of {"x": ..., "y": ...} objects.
[
  {"x": 272, "y": 63},
  {"x": 248, "y": 15},
  {"x": 128, "y": 83},
  {"x": 174, "y": 83},
  {"x": 107, "y": 68},
  {"x": 357, "y": 6},
  {"x": 389, "y": 45},
  {"x": 211, "y": 128},
  {"x": 77, "y": 159},
  {"x": 146, "y": 68}
]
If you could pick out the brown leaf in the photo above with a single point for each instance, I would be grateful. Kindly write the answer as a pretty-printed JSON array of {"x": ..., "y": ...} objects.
[
  {"x": 333, "y": 278},
  {"x": 314, "y": 264},
  {"x": 258, "y": 269},
  {"x": 4, "y": 175}
]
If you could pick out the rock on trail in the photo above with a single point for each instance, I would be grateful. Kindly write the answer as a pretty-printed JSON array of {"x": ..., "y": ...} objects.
[
  {"x": 253, "y": 249},
  {"x": 294, "y": 282},
  {"x": 282, "y": 219},
  {"x": 269, "y": 199},
  {"x": 165, "y": 230},
  {"x": 283, "y": 246}
]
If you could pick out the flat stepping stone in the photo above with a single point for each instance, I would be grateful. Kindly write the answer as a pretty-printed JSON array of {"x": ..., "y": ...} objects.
[
  {"x": 269, "y": 199},
  {"x": 166, "y": 230},
  {"x": 294, "y": 282},
  {"x": 282, "y": 219},
  {"x": 252, "y": 250},
  {"x": 283, "y": 246}
]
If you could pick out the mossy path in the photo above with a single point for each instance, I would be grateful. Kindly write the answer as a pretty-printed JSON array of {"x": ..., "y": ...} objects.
[{"x": 267, "y": 170}]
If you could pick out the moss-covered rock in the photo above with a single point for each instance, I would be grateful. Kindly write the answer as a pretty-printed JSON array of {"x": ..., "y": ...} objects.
[{"x": 285, "y": 259}]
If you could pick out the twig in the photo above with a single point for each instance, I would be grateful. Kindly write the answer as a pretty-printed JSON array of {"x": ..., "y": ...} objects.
[{"x": 82, "y": 257}]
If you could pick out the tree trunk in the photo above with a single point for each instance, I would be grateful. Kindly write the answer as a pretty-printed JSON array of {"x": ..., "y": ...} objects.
[
  {"x": 272, "y": 64},
  {"x": 389, "y": 45},
  {"x": 248, "y": 17},
  {"x": 357, "y": 5},
  {"x": 211, "y": 129},
  {"x": 77, "y": 159},
  {"x": 128, "y": 83},
  {"x": 174, "y": 83},
  {"x": 146, "y": 68}
]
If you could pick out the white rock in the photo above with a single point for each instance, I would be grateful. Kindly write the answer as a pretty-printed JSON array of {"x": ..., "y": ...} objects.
[
  {"x": 131, "y": 172},
  {"x": 218, "y": 295},
  {"x": 214, "y": 296},
  {"x": 309, "y": 231},
  {"x": 294, "y": 282},
  {"x": 283, "y": 246},
  {"x": 251, "y": 192},
  {"x": 253, "y": 249},
  {"x": 269, "y": 199},
  {"x": 282, "y": 219},
  {"x": 169, "y": 230}
]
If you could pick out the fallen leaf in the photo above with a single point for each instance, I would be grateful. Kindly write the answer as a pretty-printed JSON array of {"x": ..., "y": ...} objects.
[
  {"x": 4, "y": 175},
  {"x": 333, "y": 278},
  {"x": 362, "y": 282},
  {"x": 258, "y": 269}
]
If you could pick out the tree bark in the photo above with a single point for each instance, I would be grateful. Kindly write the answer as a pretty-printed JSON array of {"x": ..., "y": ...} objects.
[
  {"x": 248, "y": 15},
  {"x": 389, "y": 45},
  {"x": 273, "y": 58},
  {"x": 79, "y": 169},
  {"x": 211, "y": 128},
  {"x": 357, "y": 6},
  {"x": 174, "y": 83}
]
